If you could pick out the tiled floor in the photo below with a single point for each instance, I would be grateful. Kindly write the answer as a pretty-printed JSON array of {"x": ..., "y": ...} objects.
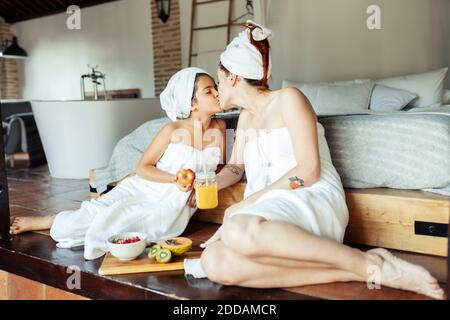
[{"x": 34, "y": 192}]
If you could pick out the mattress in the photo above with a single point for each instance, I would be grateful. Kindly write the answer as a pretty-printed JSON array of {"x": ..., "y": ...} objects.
[{"x": 402, "y": 150}]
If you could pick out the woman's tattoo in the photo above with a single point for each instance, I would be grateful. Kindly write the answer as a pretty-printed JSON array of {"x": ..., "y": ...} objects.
[
  {"x": 296, "y": 182},
  {"x": 235, "y": 170}
]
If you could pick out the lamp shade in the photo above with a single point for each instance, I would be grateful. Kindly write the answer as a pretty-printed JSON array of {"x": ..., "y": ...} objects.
[
  {"x": 14, "y": 51},
  {"x": 163, "y": 8}
]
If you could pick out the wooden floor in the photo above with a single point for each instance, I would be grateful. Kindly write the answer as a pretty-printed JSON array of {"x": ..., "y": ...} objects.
[{"x": 35, "y": 192}]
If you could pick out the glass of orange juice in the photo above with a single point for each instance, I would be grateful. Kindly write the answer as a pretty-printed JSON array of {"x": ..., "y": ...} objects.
[{"x": 206, "y": 190}]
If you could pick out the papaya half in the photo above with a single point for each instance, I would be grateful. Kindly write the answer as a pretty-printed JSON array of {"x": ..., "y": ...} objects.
[{"x": 177, "y": 246}]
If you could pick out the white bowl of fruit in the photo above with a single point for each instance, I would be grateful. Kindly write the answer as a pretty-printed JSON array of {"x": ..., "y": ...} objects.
[{"x": 128, "y": 245}]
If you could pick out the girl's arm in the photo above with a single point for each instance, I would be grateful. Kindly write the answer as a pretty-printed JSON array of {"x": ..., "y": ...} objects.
[
  {"x": 301, "y": 121},
  {"x": 146, "y": 167}
]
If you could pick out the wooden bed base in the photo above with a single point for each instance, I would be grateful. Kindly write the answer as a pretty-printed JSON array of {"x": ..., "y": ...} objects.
[{"x": 408, "y": 220}]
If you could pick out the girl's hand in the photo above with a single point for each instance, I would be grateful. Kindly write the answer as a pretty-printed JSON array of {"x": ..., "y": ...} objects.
[
  {"x": 192, "y": 200},
  {"x": 187, "y": 188},
  {"x": 184, "y": 179}
]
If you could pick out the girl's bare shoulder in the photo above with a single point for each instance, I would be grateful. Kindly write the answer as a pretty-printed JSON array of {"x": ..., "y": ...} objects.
[{"x": 219, "y": 124}]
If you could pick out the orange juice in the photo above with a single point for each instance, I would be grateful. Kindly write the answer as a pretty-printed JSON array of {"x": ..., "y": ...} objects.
[
  {"x": 206, "y": 191},
  {"x": 207, "y": 196}
]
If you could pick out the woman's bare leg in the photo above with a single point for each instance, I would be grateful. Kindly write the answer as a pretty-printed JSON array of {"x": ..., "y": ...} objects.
[
  {"x": 228, "y": 267},
  {"x": 289, "y": 263},
  {"x": 23, "y": 224},
  {"x": 252, "y": 236}
]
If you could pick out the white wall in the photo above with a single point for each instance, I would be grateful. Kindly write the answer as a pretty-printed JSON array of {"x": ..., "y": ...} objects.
[
  {"x": 116, "y": 36},
  {"x": 328, "y": 39}
]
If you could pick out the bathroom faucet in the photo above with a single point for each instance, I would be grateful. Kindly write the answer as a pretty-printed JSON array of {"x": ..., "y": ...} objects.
[{"x": 95, "y": 75}]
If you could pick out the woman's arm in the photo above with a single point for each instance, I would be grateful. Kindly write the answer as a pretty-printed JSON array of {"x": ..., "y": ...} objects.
[
  {"x": 301, "y": 121},
  {"x": 223, "y": 144},
  {"x": 233, "y": 171},
  {"x": 146, "y": 167}
]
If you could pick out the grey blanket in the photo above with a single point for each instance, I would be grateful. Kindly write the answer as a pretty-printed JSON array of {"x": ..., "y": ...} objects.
[
  {"x": 126, "y": 154},
  {"x": 402, "y": 150}
]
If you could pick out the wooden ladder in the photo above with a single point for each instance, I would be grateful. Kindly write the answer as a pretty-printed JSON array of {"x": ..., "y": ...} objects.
[{"x": 195, "y": 4}]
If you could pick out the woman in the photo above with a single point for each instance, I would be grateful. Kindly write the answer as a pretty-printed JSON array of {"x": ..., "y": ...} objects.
[
  {"x": 153, "y": 201},
  {"x": 288, "y": 230}
]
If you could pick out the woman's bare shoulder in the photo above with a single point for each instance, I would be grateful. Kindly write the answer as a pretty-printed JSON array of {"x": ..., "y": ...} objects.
[
  {"x": 291, "y": 92},
  {"x": 293, "y": 101},
  {"x": 244, "y": 119}
]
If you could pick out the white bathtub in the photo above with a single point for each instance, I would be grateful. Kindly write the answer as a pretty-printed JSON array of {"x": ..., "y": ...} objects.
[{"x": 81, "y": 135}]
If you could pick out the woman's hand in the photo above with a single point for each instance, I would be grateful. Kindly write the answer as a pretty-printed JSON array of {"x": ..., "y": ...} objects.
[{"x": 192, "y": 200}]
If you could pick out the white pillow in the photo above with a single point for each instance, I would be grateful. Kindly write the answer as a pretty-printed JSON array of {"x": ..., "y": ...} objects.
[
  {"x": 429, "y": 86},
  {"x": 333, "y": 98},
  {"x": 390, "y": 99},
  {"x": 446, "y": 98}
]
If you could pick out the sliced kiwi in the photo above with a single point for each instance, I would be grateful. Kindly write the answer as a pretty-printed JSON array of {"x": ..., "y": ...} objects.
[
  {"x": 164, "y": 255},
  {"x": 154, "y": 250}
]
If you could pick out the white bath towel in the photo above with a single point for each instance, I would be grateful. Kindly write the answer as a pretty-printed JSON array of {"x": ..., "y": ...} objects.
[
  {"x": 242, "y": 58},
  {"x": 319, "y": 209},
  {"x": 135, "y": 205},
  {"x": 176, "y": 99}
]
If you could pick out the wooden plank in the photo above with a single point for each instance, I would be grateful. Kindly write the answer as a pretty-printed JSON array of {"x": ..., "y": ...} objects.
[
  {"x": 199, "y": 3},
  {"x": 230, "y": 22},
  {"x": 218, "y": 26},
  {"x": 378, "y": 217},
  {"x": 16, "y": 13},
  {"x": 113, "y": 266},
  {"x": 386, "y": 218},
  {"x": 191, "y": 36},
  {"x": 114, "y": 94}
]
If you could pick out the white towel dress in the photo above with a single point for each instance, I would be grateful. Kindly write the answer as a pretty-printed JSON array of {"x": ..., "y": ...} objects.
[{"x": 135, "y": 205}]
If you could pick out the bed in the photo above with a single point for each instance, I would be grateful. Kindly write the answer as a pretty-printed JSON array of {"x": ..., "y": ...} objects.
[{"x": 402, "y": 150}]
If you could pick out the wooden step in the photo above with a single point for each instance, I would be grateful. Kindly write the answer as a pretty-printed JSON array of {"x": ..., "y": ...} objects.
[{"x": 409, "y": 220}]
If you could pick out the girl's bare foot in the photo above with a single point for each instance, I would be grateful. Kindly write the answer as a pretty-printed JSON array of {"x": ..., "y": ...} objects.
[
  {"x": 23, "y": 224},
  {"x": 399, "y": 274}
]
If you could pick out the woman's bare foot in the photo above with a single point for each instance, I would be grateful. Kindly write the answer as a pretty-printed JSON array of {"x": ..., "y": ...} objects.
[
  {"x": 23, "y": 224},
  {"x": 399, "y": 274}
]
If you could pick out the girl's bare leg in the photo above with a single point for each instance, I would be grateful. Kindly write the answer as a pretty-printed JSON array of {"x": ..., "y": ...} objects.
[
  {"x": 23, "y": 224},
  {"x": 252, "y": 236}
]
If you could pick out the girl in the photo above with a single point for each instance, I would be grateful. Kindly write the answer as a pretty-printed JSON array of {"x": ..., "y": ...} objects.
[
  {"x": 288, "y": 230},
  {"x": 152, "y": 201}
]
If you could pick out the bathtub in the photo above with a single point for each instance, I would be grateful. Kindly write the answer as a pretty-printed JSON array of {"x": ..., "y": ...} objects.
[{"x": 81, "y": 135}]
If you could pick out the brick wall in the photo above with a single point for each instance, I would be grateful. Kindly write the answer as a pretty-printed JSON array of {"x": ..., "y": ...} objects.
[
  {"x": 9, "y": 80},
  {"x": 166, "y": 45}
]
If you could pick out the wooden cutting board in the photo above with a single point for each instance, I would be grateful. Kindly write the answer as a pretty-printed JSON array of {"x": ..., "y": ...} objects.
[{"x": 113, "y": 266}]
